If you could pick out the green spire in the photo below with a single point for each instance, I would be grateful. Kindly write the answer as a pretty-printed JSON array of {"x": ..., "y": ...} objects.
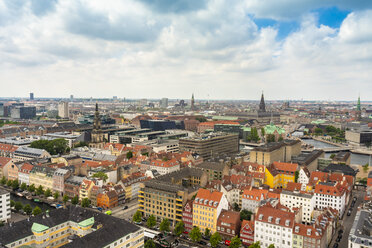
[{"x": 358, "y": 104}]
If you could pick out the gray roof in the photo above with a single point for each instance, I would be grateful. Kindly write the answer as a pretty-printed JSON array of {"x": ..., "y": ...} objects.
[
  {"x": 112, "y": 228},
  {"x": 211, "y": 166},
  {"x": 361, "y": 229},
  {"x": 343, "y": 168},
  {"x": 29, "y": 152}
]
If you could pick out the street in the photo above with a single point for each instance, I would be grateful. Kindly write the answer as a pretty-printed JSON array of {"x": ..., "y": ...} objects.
[
  {"x": 126, "y": 214},
  {"x": 347, "y": 221}
]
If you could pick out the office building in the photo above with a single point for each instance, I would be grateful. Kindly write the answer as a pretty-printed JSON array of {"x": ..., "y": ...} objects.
[
  {"x": 360, "y": 234},
  {"x": 1, "y": 109},
  {"x": 72, "y": 227},
  {"x": 20, "y": 112},
  {"x": 360, "y": 136},
  {"x": 4, "y": 205},
  {"x": 161, "y": 125},
  {"x": 164, "y": 103},
  {"x": 63, "y": 110},
  {"x": 31, "y": 96},
  {"x": 210, "y": 145}
]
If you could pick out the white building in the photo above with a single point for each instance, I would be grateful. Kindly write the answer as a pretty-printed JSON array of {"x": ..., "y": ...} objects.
[
  {"x": 303, "y": 177},
  {"x": 165, "y": 167},
  {"x": 63, "y": 110},
  {"x": 274, "y": 225},
  {"x": 27, "y": 153},
  {"x": 251, "y": 198},
  {"x": 24, "y": 173},
  {"x": 359, "y": 236},
  {"x": 4, "y": 205},
  {"x": 297, "y": 199},
  {"x": 330, "y": 195}
]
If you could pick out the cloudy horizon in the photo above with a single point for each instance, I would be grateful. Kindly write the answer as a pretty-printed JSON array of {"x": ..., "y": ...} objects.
[{"x": 216, "y": 49}]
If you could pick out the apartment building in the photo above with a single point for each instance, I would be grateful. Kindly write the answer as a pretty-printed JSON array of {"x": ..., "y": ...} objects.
[
  {"x": 252, "y": 198},
  {"x": 164, "y": 167},
  {"x": 279, "y": 174},
  {"x": 5, "y": 163},
  {"x": 214, "y": 170},
  {"x": 207, "y": 207},
  {"x": 187, "y": 216},
  {"x": 228, "y": 224},
  {"x": 59, "y": 178},
  {"x": 247, "y": 232},
  {"x": 85, "y": 189},
  {"x": 4, "y": 205},
  {"x": 42, "y": 176},
  {"x": 331, "y": 194},
  {"x": 24, "y": 173},
  {"x": 55, "y": 229},
  {"x": 299, "y": 199}
]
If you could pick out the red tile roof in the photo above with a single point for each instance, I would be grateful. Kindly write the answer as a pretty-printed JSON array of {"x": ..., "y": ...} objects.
[
  {"x": 208, "y": 198},
  {"x": 4, "y": 161},
  {"x": 287, "y": 167},
  {"x": 277, "y": 215},
  {"x": 8, "y": 148}
]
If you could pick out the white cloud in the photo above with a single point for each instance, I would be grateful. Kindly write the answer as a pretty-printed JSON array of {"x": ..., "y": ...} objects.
[{"x": 124, "y": 48}]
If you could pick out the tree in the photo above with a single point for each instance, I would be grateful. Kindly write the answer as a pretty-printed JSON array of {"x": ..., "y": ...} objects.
[
  {"x": 23, "y": 186},
  {"x": 9, "y": 183},
  {"x": 296, "y": 176},
  {"x": 54, "y": 147},
  {"x": 332, "y": 156},
  {"x": 270, "y": 138},
  {"x": 255, "y": 245},
  {"x": 101, "y": 175},
  {"x": 27, "y": 208},
  {"x": 366, "y": 167},
  {"x": 3, "y": 181},
  {"x": 15, "y": 184},
  {"x": 318, "y": 131},
  {"x": 263, "y": 131},
  {"x": 280, "y": 138},
  {"x": 137, "y": 217},
  {"x": 65, "y": 199},
  {"x": 236, "y": 207},
  {"x": 56, "y": 195},
  {"x": 37, "y": 211},
  {"x": 18, "y": 206},
  {"x": 254, "y": 135},
  {"x": 235, "y": 242},
  {"x": 31, "y": 188},
  {"x": 47, "y": 193},
  {"x": 129, "y": 154},
  {"x": 151, "y": 221},
  {"x": 80, "y": 144},
  {"x": 195, "y": 234},
  {"x": 75, "y": 200},
  {"x": 215, "y": 239},
  {"x": 85, "y": 202},
  {"x": 179, "y": 228},
  {"x": 271, "y": 246},
  {"x": 245, "y": 214},
  {"x": 164, "y": 225},
  {"x": 207, "y": 232},
  {"x": 150, "y": 244},
  {"x": 368, "y": 144},
  {"x": 12, "y": 203},
  {"x": 40, "y": 190}
]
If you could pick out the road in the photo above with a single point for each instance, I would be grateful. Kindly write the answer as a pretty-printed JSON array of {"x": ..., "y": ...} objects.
[
  {"x": 347, "y": 221},
  {"x": 126, "y": 214}
]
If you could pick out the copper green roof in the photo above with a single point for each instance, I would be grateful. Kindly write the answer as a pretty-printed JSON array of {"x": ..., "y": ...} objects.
[
  {"x": 270, "y": 129},
  {"x": 87, "y": 222},
  {"x": 38, "y": 228},
  {"x": 317, "y": 122},
  {"x": 225, "y": 118},
  {"x": 247, "y": 129}
]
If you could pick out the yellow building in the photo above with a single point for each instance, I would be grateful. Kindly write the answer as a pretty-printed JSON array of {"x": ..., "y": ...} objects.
[
  {"x": 85, "y": 189},
  {"x": 41, "y": 175},
  {"x": 279, "y": 174},
  {"x": 56, "y": 228},
  {"x": 207, "y": 206}
]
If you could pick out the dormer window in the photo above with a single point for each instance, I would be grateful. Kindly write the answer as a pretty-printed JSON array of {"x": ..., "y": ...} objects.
[
  {"x": 206, "y": 202},
  {"x": 260, "y": 217},
  {"x": 270, "y": 218},
  {"x": 297, "y": 229},
  {"x": 287, "y": 222},
  {"x": 277, "y": 220},
  {"x": 308, "y": 232}
]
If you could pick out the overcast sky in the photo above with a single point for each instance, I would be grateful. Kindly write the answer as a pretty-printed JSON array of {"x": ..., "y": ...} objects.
[{"x": 233, "y": 49}]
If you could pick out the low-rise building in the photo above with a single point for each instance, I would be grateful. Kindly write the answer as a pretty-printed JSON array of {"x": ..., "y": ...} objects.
[
  {"x": 164, "y": 166},
  {"x": 361, "y": 232},
  {"x": 295, "y": 199},
  {"x": 85, "y": 189},
  {"x": 247, "y": 232},
  {"x": 228, "y": 224},
  {"x": 42, "y": 176},
  {"x": 107, "y": 199},
  {"x": 59, "y": 178},
  {"x": 252, "y": 197},
  {"x": 5, "y": 163},
  {"x": 72, "y": 186},
  {"x": 187, "y": 216},
  {"x": 24, "y": 173},
  {"x": 214, "y": 170},
  {"x": 4, "y": 205},
  {"x": 24, "y": 153},
  {"x": 279, "y": 174}
]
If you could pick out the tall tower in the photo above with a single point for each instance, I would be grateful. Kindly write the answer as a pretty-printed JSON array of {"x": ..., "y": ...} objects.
[
  {"x": 262, "y": 107},
  {"x": 63, "y": 110},
  {"x": 358, "y": 113},
  {"x": 192, "y": 102},
  {"x": 97, "y": 135}
]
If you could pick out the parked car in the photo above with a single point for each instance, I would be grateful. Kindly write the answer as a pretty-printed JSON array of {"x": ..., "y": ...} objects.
[
  {"x": 335, "y": 245},
  {"x": 125, "y": 207},
  {"x": 349, "y": 212},
  {"x": 202, "y": 242},
  {"x": 338, "y": 239}
]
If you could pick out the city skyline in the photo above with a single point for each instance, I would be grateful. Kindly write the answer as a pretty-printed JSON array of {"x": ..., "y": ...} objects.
[{"x": 313, "y": 50}]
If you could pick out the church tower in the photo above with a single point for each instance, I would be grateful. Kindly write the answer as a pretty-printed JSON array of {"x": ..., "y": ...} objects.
[
  {"x": 97, "y": 135},
  {"x": 192, "y": 102},
  {"x": 262, "y": 107},
  {"x": 358, "y": 113}
]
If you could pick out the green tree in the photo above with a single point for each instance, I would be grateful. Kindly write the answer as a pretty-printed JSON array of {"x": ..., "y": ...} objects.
[
  {"x": 31, "y": 188},
  {"x": 332, "y": 156},
  {"x": 47, "y": 193},
  {"x": 195, "y": 234},
  {"x": 40, "y": 190},
  {"x": 15, "y": 184},
  {"x": 3, "y": 180},
  {"x": 255, "y": 245},
  {"x": 12, "y": 203},
  {"x": 101, "y": 175},
  {"x": 80, "y": 144},
  {"x": 215, "y": 239},
  {"x": 137, "y": 217},
  {"x": 245, "y": 214},
  {"x": 270, "y": 138},
  {"x": 18, "y": 206},
  {"x": 1, "y": 223},
  {"x": 129, "y": 154},
  {"x": 65, "y": 199},
  {"x": 164, "y": 225},
  {"x": 254, "y": 135},
  {"x": 85, "y": 202},
  {"x": 54, "y": 147},
  {"x": 179, "y": 228},
  {"x": 151, "y": 221},
  {"x": 235, "y": 242},
  {"x": 271, "y": 246},
  {"x": 23, "y": 186},
  {"x": 318, "y": 131},
  {"x": 56, "y": 195},
  {"x": 263, "y": 132},
  {"x": 207, "y": 232},
  {"x": 9, "y": 183},
  {"x": 150, "y": 244},
  {"x": 27, "y": 208},
  {"x": 280, "y": 138},
  {"x": 366, "y": 167},
  {"x": 75, "y": 200},
  {"x": 37, "y": 211},
  {"x": 236, "y": 207},
  {"x": 296, "y": 175}
]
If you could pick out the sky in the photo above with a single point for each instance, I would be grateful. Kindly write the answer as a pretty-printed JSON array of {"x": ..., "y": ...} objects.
[{"x": 216, "y": 49}]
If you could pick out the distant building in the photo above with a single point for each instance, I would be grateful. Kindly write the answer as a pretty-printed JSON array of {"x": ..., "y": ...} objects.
[
  {"x": 163, "y": 103},
  {"x": 1, "y": 109},
  {"x": 359, "y": 136},
  {"x": 210, "y": 145},
  {"x": 63, "y": 110},
  {"x": 23, "y": 112},
  {"x": 31, "y": 96},
  {"x": 161, "y": 125}
]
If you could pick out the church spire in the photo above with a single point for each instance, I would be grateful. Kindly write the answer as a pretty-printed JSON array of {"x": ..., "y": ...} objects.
[
  {"x": 262, "y": 107},
  {"x": 358, "y": 104},
  {"x": 192, "y": 102}
]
